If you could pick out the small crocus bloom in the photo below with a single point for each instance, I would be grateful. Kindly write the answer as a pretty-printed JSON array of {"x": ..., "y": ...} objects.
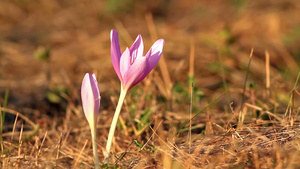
[
  {"x": 132, "y": 66},
  {"x": 90, "y": 96}
]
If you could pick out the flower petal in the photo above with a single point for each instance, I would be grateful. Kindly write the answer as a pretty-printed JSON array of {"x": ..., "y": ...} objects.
[
  {"x": 90, "y": 96},
  {"x": 137, "y": 48},
  {"x": 115, "y": 52},
  {"x": 154, "y": 54},
  {"x": 125, "y": 62},
  {"x": 96, "y": 93},
  {"x": 135, "y": 73}
]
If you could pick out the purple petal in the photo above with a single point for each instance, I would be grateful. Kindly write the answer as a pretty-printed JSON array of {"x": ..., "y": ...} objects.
[
  {"x": 135, "y": 73},
  {"x": 90, "y": 96},
  {"x": 137, "y": 48},
  {"x": 125, "y": 62},
  {"x": 154, "y": 54},
  {"x": 115, "y": 52}
]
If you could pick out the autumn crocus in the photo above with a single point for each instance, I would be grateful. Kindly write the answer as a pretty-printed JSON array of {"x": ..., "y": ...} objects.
[
  {"x": 131, "y": 67},
  {"x": 90, "y": 96}
]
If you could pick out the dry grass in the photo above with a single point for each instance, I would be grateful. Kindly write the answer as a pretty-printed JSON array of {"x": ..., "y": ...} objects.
[{"x": 208, "y": 104}]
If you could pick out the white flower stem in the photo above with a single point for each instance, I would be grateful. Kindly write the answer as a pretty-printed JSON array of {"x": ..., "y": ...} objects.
[
  {"x": 113, "y": 125},
  {"x": 95, "y": 149}
]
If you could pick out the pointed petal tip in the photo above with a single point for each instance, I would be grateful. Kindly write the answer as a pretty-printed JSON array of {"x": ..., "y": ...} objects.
[
  {"x": 161, "y": 42},
  {"x": 137, "y": 48},
  {"x": 157, "y": 47},
  {"x": 113, "y": 34},
  {"x": 113, "y": 31},
  {"x": 139, "y": 36}
]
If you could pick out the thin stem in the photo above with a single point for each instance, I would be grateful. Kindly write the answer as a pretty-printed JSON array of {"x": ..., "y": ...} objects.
[
  {"x": 113, "y": 125},
  {"x": 95, "y": 149}
]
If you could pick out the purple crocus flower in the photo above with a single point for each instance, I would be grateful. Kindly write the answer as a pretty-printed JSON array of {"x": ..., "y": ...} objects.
[
  {"x": 90, "y": 96},
  {"x": 132, "y": 66}
]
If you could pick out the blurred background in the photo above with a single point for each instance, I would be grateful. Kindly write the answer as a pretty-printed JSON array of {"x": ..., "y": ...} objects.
[{"x": 46, "y": 47}]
